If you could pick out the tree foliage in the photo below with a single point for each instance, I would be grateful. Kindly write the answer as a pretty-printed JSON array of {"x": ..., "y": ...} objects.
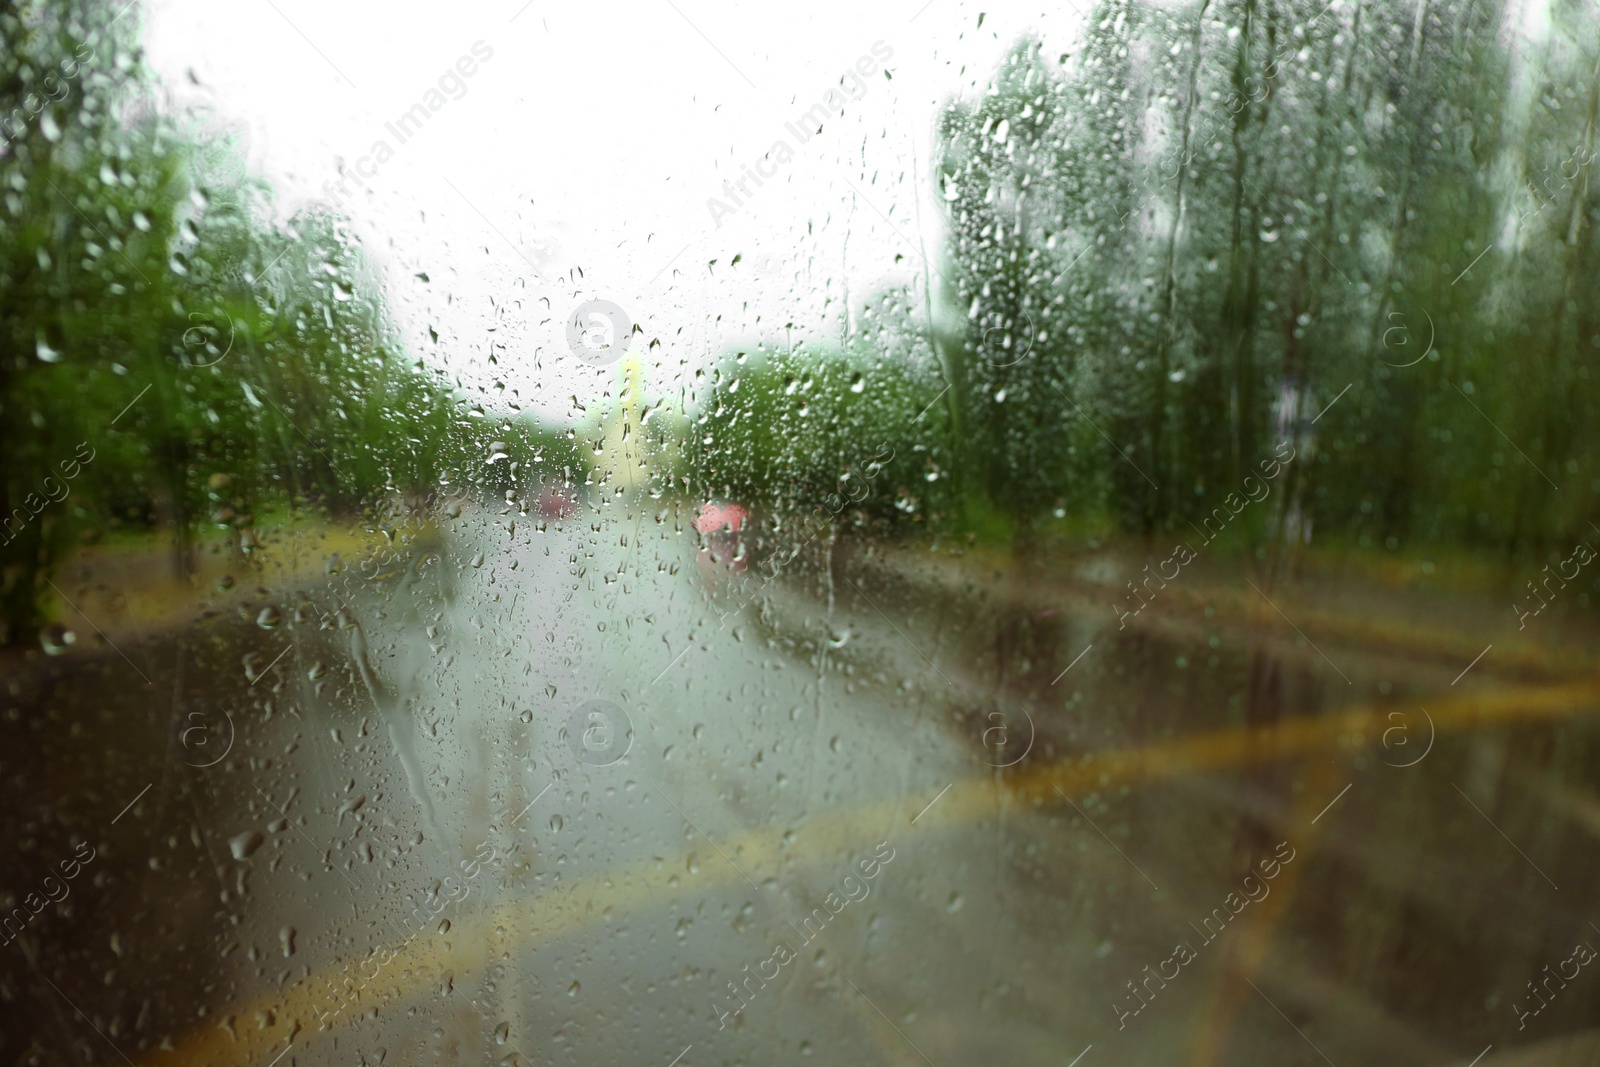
[
  {"x": 168, "y": 356},
  {"x": 1212, "y": 221}
]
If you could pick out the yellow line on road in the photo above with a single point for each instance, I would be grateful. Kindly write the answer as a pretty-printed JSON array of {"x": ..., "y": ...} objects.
[{"x": 255, "y": 1031}]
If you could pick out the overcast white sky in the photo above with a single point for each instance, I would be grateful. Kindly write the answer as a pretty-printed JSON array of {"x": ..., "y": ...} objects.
[{"x": 591, "y": 141}]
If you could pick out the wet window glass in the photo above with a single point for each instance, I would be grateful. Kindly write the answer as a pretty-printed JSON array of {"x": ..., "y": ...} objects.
[{"x": 698, "y": 533}]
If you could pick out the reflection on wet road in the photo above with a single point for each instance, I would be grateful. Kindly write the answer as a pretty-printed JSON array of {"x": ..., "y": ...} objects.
[{"x": 541, "y": 803}]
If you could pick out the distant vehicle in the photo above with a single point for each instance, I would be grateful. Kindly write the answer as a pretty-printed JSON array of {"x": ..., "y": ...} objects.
[
  {"x": 720, "y": 525},
  {"x": 558, "y": 503}
]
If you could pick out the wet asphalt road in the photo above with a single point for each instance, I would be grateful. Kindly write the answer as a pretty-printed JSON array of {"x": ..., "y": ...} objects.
[{"x": 635, "y": 800}]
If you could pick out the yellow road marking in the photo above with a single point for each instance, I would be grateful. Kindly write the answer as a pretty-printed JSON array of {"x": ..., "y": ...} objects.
[{"x": 515, "y": 929}]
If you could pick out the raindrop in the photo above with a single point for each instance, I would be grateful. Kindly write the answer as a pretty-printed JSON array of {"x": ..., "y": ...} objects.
[
  {"x": 56, "y": 639},
  {"x": 270, "y": 618},
  {"x": 244, "y": 845},
  {"x": 44, "y": 351},
  {"x": 350, "y": 806}
]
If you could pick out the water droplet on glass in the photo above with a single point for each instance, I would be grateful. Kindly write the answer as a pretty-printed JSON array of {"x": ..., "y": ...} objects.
[
  {"x": 244, "y": 845},
  {"x": 42, "y": 349},
  {"x": 56, "y": 639},
  {"x": 349, "y": 806}
]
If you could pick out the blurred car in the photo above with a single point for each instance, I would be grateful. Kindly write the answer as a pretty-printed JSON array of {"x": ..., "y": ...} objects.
[
  {"x": 720, "y": 525},
  {"x": 558, "y": 503}
]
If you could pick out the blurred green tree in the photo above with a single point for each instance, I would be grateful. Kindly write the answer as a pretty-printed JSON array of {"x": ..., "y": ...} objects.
[{"x": 168, "y": 361}]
